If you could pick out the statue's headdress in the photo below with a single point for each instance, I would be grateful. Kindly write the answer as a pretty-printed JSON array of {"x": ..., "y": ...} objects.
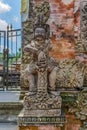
[{"x": 41, "y": 29}]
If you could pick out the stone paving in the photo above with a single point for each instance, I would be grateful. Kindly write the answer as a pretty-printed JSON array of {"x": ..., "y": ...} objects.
[{"x": 8, "y": 126}]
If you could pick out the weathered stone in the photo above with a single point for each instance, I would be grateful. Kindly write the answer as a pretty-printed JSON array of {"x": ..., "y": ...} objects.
[
  {"x": 84, "y": 126},
  {"x": 70, "y": 74},
  {"x": 80, "y": 108},
  {"x": 41, "y": 105}
]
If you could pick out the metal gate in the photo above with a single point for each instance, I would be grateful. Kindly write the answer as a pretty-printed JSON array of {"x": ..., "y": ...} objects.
[
  {"x": 10, "y": 58},
  {"x": 2, "y": 58}
]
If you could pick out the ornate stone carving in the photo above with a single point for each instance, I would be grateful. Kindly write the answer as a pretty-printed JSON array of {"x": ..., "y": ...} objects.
[
  {"x": 84, "y": 23},
  {"x": 43, "y": 9},
  {"x": 41, "y": 59},
  {"x": 42, "y": 100},
  {"x": 80, "y": 106},
  {"x": 43, "y": 68},
  {"x": 70, "y": 74},
  {"x": 36, "y": 11},
  {"x": 84, "y": 126}
]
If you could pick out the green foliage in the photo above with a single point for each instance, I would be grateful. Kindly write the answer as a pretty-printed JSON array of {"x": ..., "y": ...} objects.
[
  {"x": 14, "y": 57},
  {"x": 1, "y": 57}
]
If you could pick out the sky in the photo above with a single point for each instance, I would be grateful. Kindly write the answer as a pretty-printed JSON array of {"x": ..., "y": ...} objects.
[{"x": 10, "y": 13}]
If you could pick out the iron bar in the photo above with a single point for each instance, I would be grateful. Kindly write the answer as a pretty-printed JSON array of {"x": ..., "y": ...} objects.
[{"x": 11, "y": 41}]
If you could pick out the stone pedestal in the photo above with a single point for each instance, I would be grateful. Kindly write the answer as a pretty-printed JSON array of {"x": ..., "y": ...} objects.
[
  {"x": 35, "y": 120},
  {"x": 42, "y": 109}
]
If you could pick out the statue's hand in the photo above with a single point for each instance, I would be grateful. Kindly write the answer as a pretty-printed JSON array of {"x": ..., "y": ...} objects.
[{"x": 31, "y": 48}]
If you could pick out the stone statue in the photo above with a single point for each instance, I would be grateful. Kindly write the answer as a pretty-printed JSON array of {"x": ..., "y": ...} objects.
[
  {"x": 42, "y": 76},
  {"x": 42, "y": 71},
  {"x": 41, "y": 107},
  {"x": 42, "y": 104},
  {"x": 40, "y": 44},
  {"x": 40, "y": 50}
]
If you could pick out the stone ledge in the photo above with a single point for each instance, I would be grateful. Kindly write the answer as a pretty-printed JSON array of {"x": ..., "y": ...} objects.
[{"x": 11, "y": 105}]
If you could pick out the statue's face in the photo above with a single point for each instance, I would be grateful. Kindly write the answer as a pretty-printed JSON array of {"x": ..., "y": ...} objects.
[
  {"x": 40, "y": 42},
  {"x": 40, "y": 32},
  {"x": 39, "y": 39}
]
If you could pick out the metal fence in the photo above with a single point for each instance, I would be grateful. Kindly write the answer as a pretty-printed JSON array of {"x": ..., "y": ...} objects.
[{"x": 10, "y": 58}]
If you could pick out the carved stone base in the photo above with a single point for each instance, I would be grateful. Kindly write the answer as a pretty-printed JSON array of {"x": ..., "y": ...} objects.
[
  {"x": 41, "y": 117},
  {"x": 40, "y": 109},
  {"x": 43, "y": 101}
]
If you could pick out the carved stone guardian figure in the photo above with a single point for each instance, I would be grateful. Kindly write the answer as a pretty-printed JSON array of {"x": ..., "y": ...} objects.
[
  {"x": 42, "y": 105},
  {"x": 35, "y": 48}
]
